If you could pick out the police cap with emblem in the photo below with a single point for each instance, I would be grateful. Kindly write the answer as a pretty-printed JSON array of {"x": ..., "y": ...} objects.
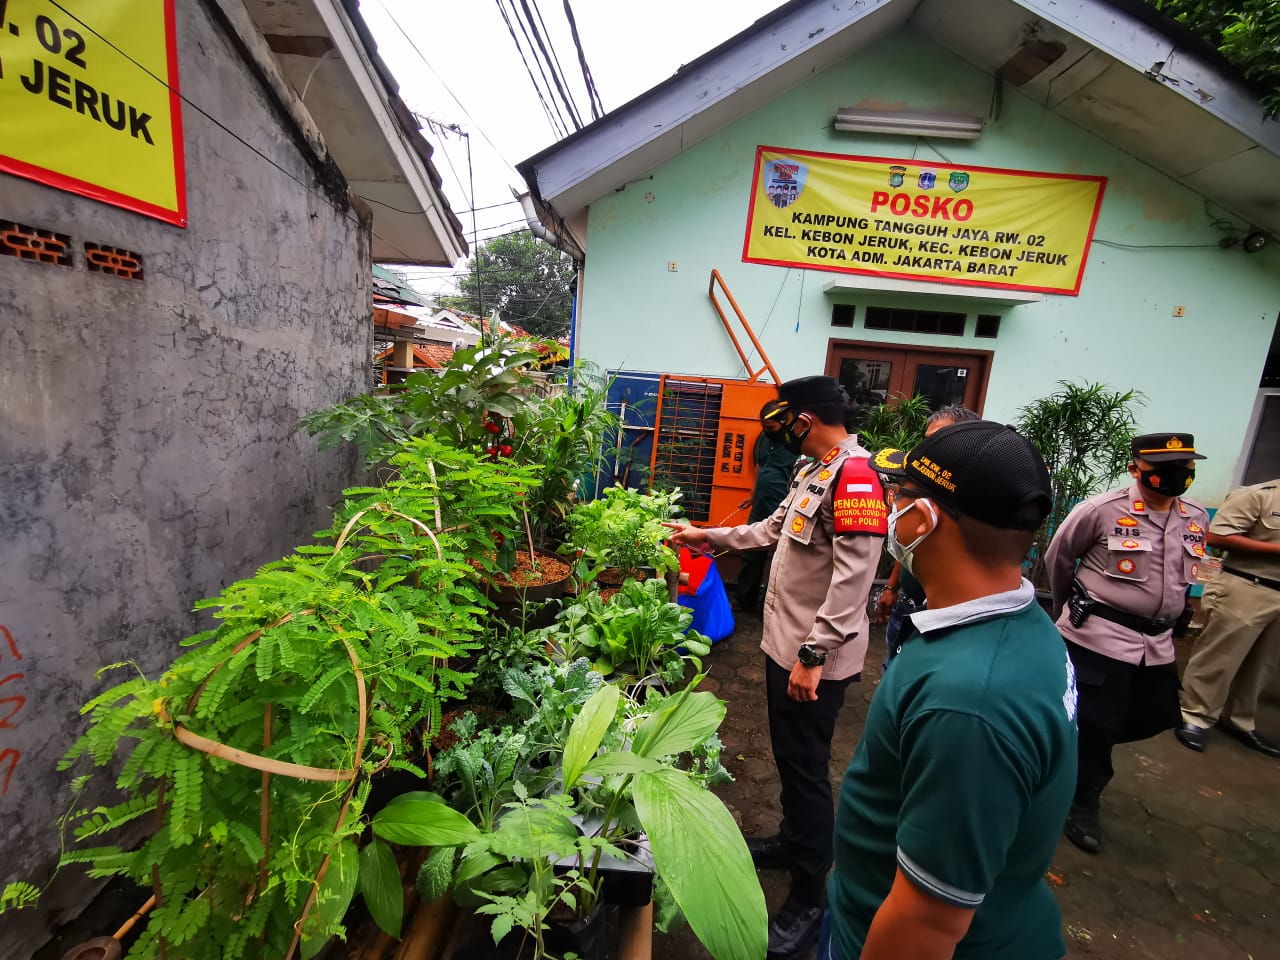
[
  {"x": 980, "y": 468},
  {"x": 1164, "y": 447},
  {"x": 795, "y": 396}
]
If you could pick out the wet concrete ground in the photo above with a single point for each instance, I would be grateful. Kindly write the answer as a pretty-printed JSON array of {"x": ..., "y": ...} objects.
[{"x": 1191, "y": 864}]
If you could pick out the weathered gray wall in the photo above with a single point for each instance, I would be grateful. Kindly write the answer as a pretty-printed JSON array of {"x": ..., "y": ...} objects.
[{"x": 145, "y": 450}]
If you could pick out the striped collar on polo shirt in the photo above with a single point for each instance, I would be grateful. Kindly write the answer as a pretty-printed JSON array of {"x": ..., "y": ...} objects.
[{"x": 971, "y": 611}]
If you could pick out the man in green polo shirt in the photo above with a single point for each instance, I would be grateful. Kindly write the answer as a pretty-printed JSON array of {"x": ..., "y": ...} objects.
[{"x": 951, "y": 810}]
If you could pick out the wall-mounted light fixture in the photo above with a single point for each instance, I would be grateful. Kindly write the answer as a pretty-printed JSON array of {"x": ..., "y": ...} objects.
[
  {"x": 910, "y": 124},
  {"x": 1251, "y": 242}
]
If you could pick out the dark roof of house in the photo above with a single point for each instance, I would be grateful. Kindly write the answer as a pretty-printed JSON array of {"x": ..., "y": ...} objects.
[
  {"x": 390, "y": 287},
  {"x": 1138, "y": 9},
  {"x": 1175, "y": 103},
  {"x": 404, "y": 116}
]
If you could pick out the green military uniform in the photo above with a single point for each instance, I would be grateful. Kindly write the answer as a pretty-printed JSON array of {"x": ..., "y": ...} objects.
[
  {"x": 962, "y": 779},
  {"x": 1238, "y": 651}
]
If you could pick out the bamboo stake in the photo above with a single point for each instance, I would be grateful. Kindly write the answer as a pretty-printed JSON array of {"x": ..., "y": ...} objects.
[{"x": 425, "y": 937}]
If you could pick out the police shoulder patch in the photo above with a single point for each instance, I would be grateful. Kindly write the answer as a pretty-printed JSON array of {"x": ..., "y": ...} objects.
[{"x": 858, "y": 499}]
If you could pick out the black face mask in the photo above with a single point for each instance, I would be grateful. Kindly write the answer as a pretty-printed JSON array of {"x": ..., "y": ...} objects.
[
  {"x": 1168, "y": 480},
  {"x": 790, "y": 439}
]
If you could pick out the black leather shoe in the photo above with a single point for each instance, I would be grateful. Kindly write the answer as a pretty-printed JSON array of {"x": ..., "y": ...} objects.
[
  {"x": 1190, "y": 736},
  {"x": 1083, "y": 830},
  {"x": 1251, "y": 739},
  {"x": 794, "y": 929},
  {"x": 769, "y": 853}
]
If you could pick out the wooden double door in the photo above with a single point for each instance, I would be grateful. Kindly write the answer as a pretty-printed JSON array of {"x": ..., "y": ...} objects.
[{"x": 874, "y": 373}]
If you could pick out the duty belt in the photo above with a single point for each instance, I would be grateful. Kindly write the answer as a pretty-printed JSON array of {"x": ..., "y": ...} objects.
[
  {"x": 1253, "y": 578},
  {"x": 1148, "y": 625}
]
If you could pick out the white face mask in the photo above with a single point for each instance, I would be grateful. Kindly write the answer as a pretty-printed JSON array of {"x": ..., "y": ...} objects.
[{"x": 903, "y": 553}]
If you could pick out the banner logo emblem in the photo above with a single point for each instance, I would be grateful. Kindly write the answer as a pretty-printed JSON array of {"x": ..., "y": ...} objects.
[{"x": 784, "y": 181}]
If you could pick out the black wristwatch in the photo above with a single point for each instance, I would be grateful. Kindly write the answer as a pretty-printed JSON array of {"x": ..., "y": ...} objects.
[{"x": 811, "y": 656}]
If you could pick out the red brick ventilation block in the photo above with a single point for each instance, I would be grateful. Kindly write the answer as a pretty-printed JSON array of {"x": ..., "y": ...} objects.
[
  {"x": 101, "y": 258},
  {"x": 32, "y": 243}
]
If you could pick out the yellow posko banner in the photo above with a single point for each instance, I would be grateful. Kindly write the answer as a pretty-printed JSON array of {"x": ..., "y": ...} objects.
[
  {"x": 915, "y": 220},
  {"x": 89, "y": 101}
]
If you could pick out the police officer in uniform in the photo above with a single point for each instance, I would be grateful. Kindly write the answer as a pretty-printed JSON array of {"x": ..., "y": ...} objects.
[
  {"x": 1240, "y": 646},
  {"x": 828, "y": 533},
  {"x": 1119, "y": 567}
]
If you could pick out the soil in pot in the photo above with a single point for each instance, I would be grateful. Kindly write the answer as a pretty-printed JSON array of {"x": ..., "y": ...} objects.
[
  {"x": 542, "y": 577},
  {"x": 486, "y": 718}
]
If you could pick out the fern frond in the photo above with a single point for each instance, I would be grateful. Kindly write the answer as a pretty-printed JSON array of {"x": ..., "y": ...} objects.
[{"x": 17, "y": 895}]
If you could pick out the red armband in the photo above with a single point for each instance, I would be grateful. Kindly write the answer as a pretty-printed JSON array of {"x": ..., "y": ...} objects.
[{"x": 858, "y": 500}]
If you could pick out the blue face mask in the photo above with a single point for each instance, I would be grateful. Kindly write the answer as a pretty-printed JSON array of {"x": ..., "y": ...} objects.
[{"x": 903, "y": 553}]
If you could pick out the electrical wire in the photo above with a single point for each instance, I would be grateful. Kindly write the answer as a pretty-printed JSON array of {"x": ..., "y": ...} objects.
[
  {"x": 560, "y": 128},
  {"x": 443, "y": 131},
  {"x": 769, "y": 316},
  {"x": 1157, "y": 246},
  {"x": 593, "y": 95},
  {"x": 465, "y": 112},
  {"x": 554, "y": 64},
  {"x": 225, "y": 129}
]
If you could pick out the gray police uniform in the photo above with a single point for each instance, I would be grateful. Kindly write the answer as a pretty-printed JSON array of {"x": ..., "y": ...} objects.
[
  {"x": 828, "y": 532},
  {"x": 820, "y": 579},
  {"x": 1135, "y": 563}
]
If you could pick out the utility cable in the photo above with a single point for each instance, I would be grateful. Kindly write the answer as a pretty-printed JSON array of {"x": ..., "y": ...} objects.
[
  {"x": 769, "y": 316},
  {"x": 465, "y": 112},
  {"x": 560, "y": 129},
  {"x": 568, "y": 101},
  {"x": 593, "y": 95},
  {"x": 572, "y": 102},
  {"x": 442, "y": 131}
]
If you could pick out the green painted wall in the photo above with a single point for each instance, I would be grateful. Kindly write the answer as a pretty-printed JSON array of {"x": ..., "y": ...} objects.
[{"x": 1199, "y": 372}]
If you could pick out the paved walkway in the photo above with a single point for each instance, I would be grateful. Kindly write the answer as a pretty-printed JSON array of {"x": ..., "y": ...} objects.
[{"x": 1191, "y": 869}]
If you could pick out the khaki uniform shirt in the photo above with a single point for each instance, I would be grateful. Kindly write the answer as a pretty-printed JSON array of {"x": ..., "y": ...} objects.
[
  {"x": 1131, "y": 558},
  {"x": 820, "y": 580},
  {"x": 1253, "y": 512}
]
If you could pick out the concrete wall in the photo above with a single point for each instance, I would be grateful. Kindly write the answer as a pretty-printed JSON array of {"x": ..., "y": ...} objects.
[
  {"x": 1199, "y": 372},
  {"x": 145, "y": 450}
]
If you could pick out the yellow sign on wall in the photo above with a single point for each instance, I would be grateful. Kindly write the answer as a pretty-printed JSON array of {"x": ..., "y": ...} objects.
[
  {"x": 89, "y": 101},
  {"x": 914, "y": 220}
]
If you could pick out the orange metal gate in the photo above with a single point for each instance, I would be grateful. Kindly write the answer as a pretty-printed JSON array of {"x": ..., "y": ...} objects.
[{"x": 706, "y": 429}]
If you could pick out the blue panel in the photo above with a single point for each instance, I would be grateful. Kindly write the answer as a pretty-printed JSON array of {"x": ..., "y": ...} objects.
[{"x": 639, "y": 393}]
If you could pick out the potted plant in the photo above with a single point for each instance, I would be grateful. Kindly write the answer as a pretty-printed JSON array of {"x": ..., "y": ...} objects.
[
  {"x": 621, "y": 535},
  {"x": 563, "y": 433},
  {"x": 637, "y": 635},
  {"x": 621, "y": 759}
]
